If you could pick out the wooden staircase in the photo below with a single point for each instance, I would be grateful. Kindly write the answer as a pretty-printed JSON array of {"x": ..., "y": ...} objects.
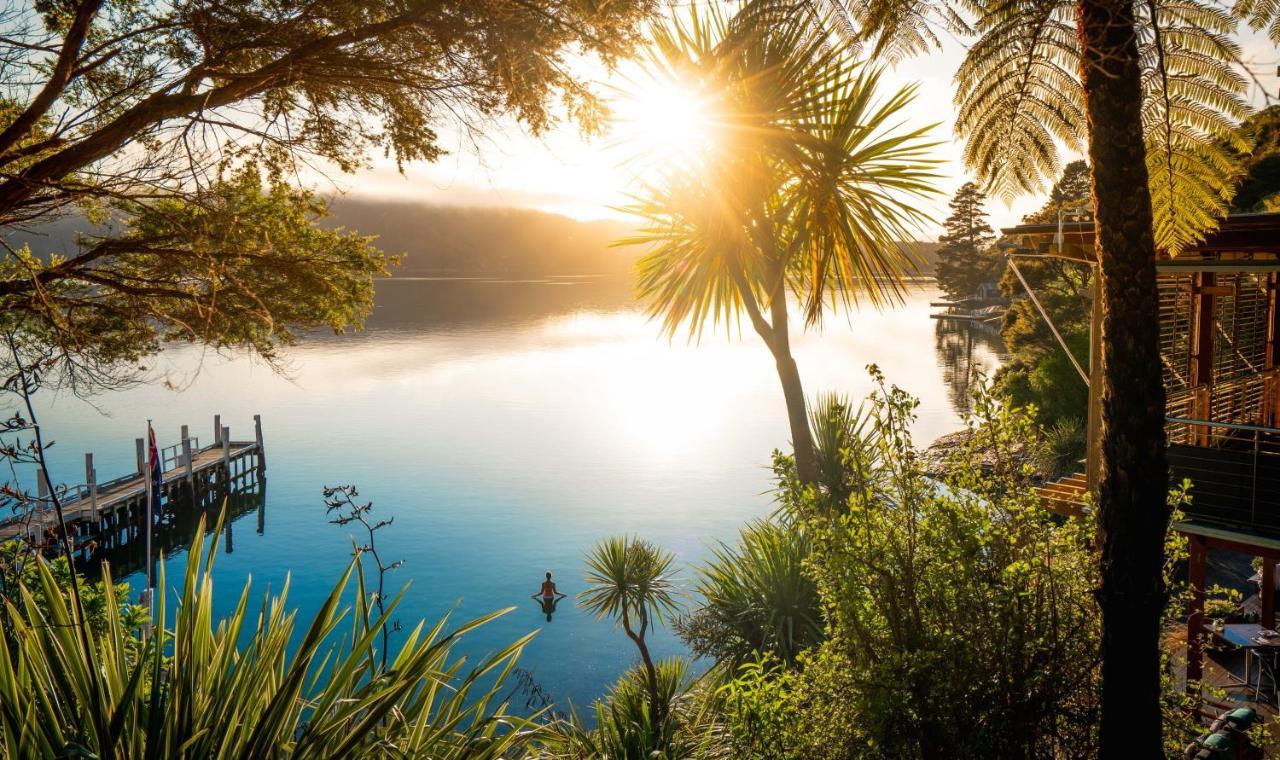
[{"x": 1065, "y": 496}]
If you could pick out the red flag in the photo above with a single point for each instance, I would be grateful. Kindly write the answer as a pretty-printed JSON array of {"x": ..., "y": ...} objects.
[{"x": 154, "y": 477}]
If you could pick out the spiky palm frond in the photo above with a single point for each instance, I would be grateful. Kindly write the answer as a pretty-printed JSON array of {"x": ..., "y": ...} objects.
[
  {"x": 629, "y": 580},
  {"x": 758, "y": 590},
  {"x": 808, "y": 178},
  {"x": 1192, "y": 105},
  {"x": 856, "y": 201}
]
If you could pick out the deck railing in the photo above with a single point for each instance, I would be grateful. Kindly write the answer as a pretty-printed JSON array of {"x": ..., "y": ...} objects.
[{"x": 1234, "y": 469}]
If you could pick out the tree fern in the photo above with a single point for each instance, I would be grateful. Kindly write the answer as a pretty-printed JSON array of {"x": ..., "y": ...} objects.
[
  {"x": 1020, "y": 103},
  {"x": 1261, "y": 14},
  {"x": 1192, "y": 106},
  {"x": 1018, "y": 95}
]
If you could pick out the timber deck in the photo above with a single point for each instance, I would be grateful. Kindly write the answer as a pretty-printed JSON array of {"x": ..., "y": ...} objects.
[{"x": 111, "y": 514}]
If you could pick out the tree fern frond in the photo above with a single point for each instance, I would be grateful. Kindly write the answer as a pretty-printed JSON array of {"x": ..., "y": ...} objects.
[
  {"x": 1192, "y": 102},
  {"x": 1261, "y": 14},
  {"x": 1018, "y": 95}
]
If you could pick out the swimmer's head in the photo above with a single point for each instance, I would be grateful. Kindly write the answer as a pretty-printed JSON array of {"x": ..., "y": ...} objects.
[{"x": 548, "y": 575}]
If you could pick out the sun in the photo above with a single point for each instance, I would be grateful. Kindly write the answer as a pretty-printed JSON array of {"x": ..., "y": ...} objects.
[{"x": 664, "y": 124}]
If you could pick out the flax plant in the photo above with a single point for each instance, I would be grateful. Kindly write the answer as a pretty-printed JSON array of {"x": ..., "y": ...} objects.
[{"x": 245, "y": 686}]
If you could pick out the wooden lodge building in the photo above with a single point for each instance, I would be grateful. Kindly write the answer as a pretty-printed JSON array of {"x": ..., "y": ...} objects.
[{"x": 1220, "y": 347}]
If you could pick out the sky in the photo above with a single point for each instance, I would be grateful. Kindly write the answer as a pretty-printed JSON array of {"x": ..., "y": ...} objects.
[{"x": 564, "y": 173}]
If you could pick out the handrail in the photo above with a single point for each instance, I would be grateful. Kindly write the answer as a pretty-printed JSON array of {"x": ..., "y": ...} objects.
[{"x": 1228, "y": 425}]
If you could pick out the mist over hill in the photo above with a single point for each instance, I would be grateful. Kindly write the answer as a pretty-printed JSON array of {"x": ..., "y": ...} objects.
[
  {"x": 450, "y": 241},
  {"x": 446, "y": 241},
  {"x": 493, "y": 242}
]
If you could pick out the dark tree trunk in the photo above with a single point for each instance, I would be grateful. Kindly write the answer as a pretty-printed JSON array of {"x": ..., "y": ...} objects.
[
  {"x": 656, "y": 708},
  {"x": 1133, "y": 478}
]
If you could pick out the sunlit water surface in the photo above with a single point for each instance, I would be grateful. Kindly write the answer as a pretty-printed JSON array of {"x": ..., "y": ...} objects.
[{"x": 507, "y": 426}]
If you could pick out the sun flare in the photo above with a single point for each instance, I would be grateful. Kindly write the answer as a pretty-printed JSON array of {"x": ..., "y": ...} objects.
[{"x": 663, "y": 124}]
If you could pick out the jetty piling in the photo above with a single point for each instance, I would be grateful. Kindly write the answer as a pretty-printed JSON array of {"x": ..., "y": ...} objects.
[{"x": 113, "y": 512}]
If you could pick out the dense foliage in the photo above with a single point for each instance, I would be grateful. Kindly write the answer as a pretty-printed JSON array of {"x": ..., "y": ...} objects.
[
  {"x": 243, "y": 685},
  {"x": 1259, "y": 188},
  {"x": 756, "y": 597},
  {"x": 1038, "y": 371},
  {"x": 960, "y": 619},
  {"x": 183, "y": 128}
]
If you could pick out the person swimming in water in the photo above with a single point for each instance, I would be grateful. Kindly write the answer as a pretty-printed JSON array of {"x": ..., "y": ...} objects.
[
  {"x": 548, "y": 590},
  {"x": 548, "y": 596}
]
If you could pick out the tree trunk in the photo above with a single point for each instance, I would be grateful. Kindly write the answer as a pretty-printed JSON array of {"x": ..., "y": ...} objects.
[
  {"x": 656, "y": 711},
  {"x": 776, "y": 335},
  {"x": 792, "y": 391},
  {"x": 1133, "y": 478},
  {"x": 656, "y": 708}
]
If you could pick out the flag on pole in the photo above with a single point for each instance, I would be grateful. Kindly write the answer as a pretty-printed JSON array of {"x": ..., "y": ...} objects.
[{"x": 154, "y": 476}]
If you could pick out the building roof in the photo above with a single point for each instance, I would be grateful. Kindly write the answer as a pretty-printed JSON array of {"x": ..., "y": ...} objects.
[{"x": 1238, "y": 239}]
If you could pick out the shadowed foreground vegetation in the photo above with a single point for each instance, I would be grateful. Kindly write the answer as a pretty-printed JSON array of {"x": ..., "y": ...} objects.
[{"x": 244, "y": 685}]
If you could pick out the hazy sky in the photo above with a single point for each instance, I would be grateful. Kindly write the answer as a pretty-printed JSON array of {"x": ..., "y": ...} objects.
[{"x": 563, "y": 173}]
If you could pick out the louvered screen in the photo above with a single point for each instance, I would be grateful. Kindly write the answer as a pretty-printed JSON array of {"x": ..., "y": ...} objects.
[
  {"x": 1239, "y": 349},
  {"x": 1175, "y": 332}
]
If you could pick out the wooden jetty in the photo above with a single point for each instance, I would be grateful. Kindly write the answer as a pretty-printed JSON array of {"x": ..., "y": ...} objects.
[{"x": 193, "y": 477}]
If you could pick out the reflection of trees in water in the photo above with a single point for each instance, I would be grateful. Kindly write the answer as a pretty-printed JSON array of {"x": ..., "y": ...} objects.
[
  {"x": 964, "y": 348},
  {"x": 173, "y": 533}
]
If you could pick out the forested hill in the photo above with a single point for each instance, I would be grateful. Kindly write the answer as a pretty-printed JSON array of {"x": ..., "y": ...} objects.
[{"x": 447, "y": 241}]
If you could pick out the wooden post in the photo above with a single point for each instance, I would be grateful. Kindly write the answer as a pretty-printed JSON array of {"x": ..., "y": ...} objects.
[
  {"x": 187, "y": 455},
  {"x": 226, "y": 457},
  {"x": 257, "y": 432},
  {"x": 1267, "y": 590},
  {"x": 1272, "y": 359},
  {"x": 1195, "y": 621},
  {"x": 91, "y": 481},
  {"x": 217, "y": 429},
  {"x": 1093, "y": 444},
  {"x": 142, "y": 455},
  {"x": 1202, "y": 340}
]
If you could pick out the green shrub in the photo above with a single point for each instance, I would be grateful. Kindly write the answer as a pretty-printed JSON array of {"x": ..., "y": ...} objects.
[
  {"x": 756, "y": 598},
  {"x": 960, "y": 617}
]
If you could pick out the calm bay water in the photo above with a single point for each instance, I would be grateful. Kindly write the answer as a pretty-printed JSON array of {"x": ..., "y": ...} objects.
[{"x": 507, "y": 426}]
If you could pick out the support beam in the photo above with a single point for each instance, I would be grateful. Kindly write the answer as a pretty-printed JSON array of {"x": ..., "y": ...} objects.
[
  {"x": 1267, "y": 590},
  {"x": 1198, "y": 549},
  {"x": 1271, "y": 404},
  {"x": 1202, "y": 329}
]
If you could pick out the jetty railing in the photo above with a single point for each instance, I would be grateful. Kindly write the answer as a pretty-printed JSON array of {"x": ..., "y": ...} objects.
[{"x": 192, "y": 477}]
